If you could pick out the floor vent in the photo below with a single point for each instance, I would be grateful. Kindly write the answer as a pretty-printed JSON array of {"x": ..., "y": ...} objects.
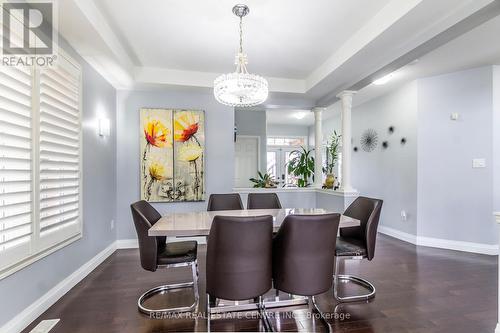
[{"x": 45, "y": 326}]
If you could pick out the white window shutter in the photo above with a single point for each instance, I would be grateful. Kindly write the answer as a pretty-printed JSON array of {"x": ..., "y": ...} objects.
[
  {"x": 16, "y": 183},
  {"x": 59, "y": 159}
]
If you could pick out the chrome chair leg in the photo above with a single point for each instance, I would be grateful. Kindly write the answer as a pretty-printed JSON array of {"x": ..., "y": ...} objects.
[
  {"x": 351, "y": 278},
  {"x": 314, "y": 307},
  {"x": 170, "y": 287},
  {"x": 208, "y": 313},
  {"x": 264, "y": 317},
  {"x": 194, "y": 270}
]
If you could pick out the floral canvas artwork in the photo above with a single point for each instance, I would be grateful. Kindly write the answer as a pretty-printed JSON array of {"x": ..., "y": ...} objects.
[{"x": 172, "y": 155}]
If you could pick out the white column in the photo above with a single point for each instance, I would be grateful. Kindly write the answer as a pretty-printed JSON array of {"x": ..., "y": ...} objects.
[
  {"x": 318, "y": 140},
  {"x": 346, "y": 101},
  {"x": 497, "y": 329}
]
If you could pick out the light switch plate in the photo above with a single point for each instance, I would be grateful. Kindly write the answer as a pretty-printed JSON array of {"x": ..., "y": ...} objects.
[{"x": 479, "y": 163}]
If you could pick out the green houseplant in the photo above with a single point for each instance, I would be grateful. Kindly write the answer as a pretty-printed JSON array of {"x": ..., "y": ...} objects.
[
  {"x": 263, "y": 180},
  {"x": 332, "y": 156},
  {"x": 301, "y": 165}
]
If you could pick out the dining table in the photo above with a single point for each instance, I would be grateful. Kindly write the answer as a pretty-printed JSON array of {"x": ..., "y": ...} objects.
[
  {"x": 197, "y": 224},
  {"x": 191, "y": 224}
]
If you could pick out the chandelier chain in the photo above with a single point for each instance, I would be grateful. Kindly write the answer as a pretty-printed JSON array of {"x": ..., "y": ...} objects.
[{"x": 241, "y": 34}]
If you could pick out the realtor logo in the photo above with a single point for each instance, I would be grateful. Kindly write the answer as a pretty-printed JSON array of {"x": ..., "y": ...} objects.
[{"x": 28, "y": 33}]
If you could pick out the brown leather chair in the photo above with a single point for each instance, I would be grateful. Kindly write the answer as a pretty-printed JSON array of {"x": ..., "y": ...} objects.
[
  {"x": 228, "y": 201},
  {"x": 156, "y": 253},
  {"x": 239, "y": 258},
  {"x": 302, "y": 255},
  {"x": 358, "y": 243},
  {"x": 263, "y": 201}
]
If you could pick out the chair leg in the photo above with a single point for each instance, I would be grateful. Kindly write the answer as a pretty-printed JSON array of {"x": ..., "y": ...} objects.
[
  {"x": 315, "y": 308},
  {"x": 208, "y": 313},
  {"x": 351, "y": 278},
  {"x": 170, "y": 287},
  {"x": 194, "y": 270},
  {"x": 264, "y": 317}
]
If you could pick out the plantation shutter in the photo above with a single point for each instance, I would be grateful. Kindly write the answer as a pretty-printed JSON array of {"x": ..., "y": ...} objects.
[
  {"x": 59, "y": 153},
  {"x": 16, "y": 160}
]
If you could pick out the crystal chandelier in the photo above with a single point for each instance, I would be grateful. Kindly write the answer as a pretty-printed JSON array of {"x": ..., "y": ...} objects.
[{"x": 240, "y": 89}]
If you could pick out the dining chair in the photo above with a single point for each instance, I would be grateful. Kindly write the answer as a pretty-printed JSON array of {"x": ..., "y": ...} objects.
[
  {"x": 263, "y": 201},
  {"x": 358, "y": 243},
  {"x": 302, "y": 256},
  {"x": 239, "y": 259},
  {"x": 228, "y": 201},
  {"x": 156, "y": 253}
]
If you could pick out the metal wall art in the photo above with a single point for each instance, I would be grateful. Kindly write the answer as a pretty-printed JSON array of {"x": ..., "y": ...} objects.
[{"x": 369, "y": 140}]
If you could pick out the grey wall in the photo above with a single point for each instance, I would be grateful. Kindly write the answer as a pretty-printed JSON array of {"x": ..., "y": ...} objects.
[
  {"x": 253, "y": 123},
  {"x": 389, "y": 174},
  {"x": 219, "y": 168},
  {"x": 455, "y": 200},
  {"x": 496, "y": 138},
  {"x": 287, "y": 130},
  {"x": 21, "y": 289}
]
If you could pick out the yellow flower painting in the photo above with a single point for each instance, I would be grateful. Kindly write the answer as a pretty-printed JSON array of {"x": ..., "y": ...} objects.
[{"x": 172, "y": 155}]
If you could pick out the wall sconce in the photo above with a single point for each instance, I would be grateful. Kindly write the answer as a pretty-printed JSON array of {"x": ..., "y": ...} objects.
[{"x": 104, "y": 127}]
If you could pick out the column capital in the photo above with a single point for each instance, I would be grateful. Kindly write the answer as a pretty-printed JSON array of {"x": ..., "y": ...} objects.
[
  {"x": 346, "y": 93},
  {"x": 318, "y": 109}
]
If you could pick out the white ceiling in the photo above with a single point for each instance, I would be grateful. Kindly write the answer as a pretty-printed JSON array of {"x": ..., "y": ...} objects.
[
  {"x": 308, "y": 50},
  {"x": 283, "y": 38},
  {"x": 288, "y": 117},
  {"x": 473, "y": 49}
]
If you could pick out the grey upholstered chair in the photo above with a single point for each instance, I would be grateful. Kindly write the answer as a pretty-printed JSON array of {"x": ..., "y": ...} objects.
[
  {"x": 156, "y": 253},
  {"x": 263, "y": 201},
  {"x": 302, "y": 256},
  {"x": 239, "y": 258},
  {"x": 358, "y": 243},
  {"x": 228, "y": 201}
]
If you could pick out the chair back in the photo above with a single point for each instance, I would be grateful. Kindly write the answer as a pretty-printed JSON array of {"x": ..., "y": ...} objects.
[
  {"x": 303, "y": 254},
  {"x": 367, "y": 210},
  {"x": 239, "y": 257},
  {"x": 263, "y": 201},
  {"x": 229, "y": 201},
  {"x": 145, "y": 216}
]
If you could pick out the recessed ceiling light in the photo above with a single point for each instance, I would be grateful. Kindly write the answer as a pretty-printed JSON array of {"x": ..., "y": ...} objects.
[
  {"x": 383, "y": 80},
  {"x": 299, "y": 115}
]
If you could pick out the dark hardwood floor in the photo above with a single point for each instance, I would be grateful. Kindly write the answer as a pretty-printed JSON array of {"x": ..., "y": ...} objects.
[{"x": 418, "y": 290}]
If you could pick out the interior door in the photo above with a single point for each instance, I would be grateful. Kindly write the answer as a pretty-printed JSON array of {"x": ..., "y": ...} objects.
[{"x": 246, "y": 160}]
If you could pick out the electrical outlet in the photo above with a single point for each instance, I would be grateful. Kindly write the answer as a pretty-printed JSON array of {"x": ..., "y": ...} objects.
[
  {"x": 404, "y": 217},
  {"x": 112, "y": 224},
  {"x": 479, "y": 163}
]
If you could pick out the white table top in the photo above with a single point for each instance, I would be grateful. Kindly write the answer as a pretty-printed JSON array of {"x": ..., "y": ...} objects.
[{"x": 198, "y": 223}]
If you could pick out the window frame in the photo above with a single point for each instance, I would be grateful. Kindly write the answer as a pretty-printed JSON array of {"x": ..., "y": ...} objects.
[{"x": 38, "y": 252}]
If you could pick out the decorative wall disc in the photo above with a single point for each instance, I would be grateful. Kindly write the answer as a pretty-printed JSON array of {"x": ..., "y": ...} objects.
[{"x": 369, "y": 140}]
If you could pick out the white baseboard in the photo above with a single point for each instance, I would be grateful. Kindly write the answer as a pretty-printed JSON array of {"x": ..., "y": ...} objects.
[
  {"x": 28, "y": 315},
  {"x": 127, "y": 244},
  {"x": 497, "y": 329},
  {"x": 489, "y": 249},
  {"x": 404, "y": 236}
]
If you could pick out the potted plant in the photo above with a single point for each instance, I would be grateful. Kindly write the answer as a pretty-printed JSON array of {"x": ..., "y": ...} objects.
[
  {"x": 301, "y": 165},
  {"x": 332, "y": 156},
  {"x": 263, "y": 181}
]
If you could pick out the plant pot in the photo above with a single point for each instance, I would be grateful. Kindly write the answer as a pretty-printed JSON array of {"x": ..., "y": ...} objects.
[{"x": 329, "y": 181}]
